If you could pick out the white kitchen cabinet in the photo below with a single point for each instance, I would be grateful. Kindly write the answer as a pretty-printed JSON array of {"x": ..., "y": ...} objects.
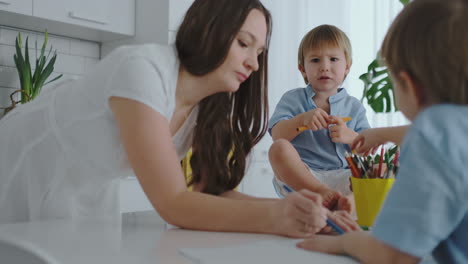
[
  {"x": 156, "y": 22},
  {"x": 109, "y": 15},
  {"x": 17, "y": 6},
  {"x": 95, "y": 20}
]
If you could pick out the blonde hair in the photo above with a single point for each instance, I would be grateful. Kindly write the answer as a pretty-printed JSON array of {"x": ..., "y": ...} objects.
[
  {"x": 324, "y": 36},
  {"x": 429, "y": 41}
]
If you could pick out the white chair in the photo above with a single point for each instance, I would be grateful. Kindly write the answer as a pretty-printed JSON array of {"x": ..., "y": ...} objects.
[{"x": 15, "y": 252}]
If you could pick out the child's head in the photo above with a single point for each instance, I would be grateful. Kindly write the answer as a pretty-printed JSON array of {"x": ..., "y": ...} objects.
[
  {"x": 426, "y": 51},
  {"x": 315, "y": 42}
]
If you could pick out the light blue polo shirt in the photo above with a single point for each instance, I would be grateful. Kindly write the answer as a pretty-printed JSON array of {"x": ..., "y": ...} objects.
[
  {"x": 427, "y": 209},
  {"x": 315, "y": 147}
]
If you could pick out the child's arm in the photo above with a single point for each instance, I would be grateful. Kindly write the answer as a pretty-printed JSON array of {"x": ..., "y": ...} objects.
[
  {"x": 314, "y": 119},
  {"x": 359, "y": 245},
  {"x": 370, "y": 139}
]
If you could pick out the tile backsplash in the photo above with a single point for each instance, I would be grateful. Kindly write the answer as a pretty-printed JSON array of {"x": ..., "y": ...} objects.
[{"x": 74, "y": 57}]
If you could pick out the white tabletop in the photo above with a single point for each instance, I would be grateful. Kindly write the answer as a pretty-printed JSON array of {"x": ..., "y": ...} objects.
[{"x": 139, "y": 238}]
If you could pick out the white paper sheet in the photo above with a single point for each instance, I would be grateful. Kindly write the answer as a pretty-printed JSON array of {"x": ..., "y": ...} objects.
[{"x": 282, "y": 251}]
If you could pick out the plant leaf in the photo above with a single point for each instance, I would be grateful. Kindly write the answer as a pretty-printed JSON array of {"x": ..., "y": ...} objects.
[
  {"x": 378, "y": 88},
  {"x": 404, "y": 2},
  {"x": 54, "y": 79},
  {"x": 27, "y": 68},
  {"x": 32, "y": 83},
  {"x": 44, "y": 75}
]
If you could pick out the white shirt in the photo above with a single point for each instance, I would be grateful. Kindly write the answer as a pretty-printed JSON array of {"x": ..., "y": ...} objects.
[{"x": 61, "y": 156}]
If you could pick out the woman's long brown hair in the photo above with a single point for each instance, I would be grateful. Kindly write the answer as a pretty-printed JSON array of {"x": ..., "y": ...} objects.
[{"x": 228, "y": 124}]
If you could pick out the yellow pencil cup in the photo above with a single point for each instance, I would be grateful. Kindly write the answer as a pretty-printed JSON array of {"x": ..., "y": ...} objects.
[{"x": 369, "y": 195}]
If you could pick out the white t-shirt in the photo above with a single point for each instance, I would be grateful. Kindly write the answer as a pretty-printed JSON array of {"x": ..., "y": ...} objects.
[{"x": 61, "y": 156}]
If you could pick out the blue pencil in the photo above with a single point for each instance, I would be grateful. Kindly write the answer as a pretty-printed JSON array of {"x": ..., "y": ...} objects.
[
  {"x": 335, "y": 226},
  {"x": 329, "y": 222}
]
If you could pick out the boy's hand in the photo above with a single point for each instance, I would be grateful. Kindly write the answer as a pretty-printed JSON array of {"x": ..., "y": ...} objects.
[
  {"x": 316, "y": 119},
  {"x": 367, "y": 142},
  {"x": 323, "y": 243},
  {"x": 340, "y": 133}
]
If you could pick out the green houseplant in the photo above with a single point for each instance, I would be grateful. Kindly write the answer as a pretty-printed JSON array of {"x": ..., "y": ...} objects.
[
  {"x": 32, "y": 82},
  {"x": 378, "y": 87}
]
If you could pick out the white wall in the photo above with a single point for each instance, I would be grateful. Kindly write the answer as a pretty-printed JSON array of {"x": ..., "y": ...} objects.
[
  {"x": 369, "y": 23},
  {"x": 73, "y": 59}
]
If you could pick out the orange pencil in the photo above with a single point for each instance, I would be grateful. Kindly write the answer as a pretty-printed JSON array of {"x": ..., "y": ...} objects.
[
  {"x": 304, "y": 128},
  {"x": 352, "y": 166}
]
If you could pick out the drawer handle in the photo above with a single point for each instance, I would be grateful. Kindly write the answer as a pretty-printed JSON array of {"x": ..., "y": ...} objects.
[
  {"x": 5, "y": 2},
  {"x": 80, "y": 17}
]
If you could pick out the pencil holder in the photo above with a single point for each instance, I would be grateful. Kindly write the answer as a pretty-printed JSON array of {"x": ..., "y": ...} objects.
[{"x": 369, "y": 195}]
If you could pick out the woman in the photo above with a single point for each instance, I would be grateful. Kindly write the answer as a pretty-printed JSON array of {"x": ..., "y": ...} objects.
[{"x": 141, "y": 109}]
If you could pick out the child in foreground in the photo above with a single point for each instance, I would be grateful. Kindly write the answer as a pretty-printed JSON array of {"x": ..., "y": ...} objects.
[
  {"x": 314, "y": 159},
  {"x": 426, "y": 212}
]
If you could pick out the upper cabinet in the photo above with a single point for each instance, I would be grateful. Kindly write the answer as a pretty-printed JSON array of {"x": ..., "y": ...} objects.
[
  {"x": 107, "y": 15},
  {"x": 17, "y": 6},
  {"x": 156, "y": 22},
  {"x": 97, "y": 20}
]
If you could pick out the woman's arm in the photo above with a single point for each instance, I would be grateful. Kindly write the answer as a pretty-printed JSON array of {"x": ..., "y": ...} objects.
[
  {"x": 233, "y": 194},
  {"x": 148, "y": 143},
  {"x": 359, "y": 245}
]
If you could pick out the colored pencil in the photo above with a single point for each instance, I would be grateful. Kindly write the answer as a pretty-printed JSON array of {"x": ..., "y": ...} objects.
[{"x": 304, "y": 128}]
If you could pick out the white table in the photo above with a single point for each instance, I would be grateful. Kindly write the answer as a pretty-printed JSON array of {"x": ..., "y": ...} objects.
[{"x": 139, "y": 238}]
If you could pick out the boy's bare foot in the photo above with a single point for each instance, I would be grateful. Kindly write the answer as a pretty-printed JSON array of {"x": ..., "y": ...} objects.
[
  {"x": 334, "y": 200},
  {"x": 345, "y": 204}
]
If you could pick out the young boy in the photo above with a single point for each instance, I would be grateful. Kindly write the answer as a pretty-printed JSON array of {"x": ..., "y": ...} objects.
[
  {"x": 426, "y": 51},
  {"x": 314, "y": 159}
]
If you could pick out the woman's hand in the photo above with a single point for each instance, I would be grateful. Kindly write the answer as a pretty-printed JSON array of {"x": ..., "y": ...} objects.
[
  {"x": 300, "y": 214},
  {"x": 340, "y": 133}
]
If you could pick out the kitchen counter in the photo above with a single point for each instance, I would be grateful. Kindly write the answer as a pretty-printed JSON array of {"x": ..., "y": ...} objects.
[{"x": 139, "y": 238}]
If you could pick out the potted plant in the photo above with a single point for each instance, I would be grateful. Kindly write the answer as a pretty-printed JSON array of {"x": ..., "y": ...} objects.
[
  {"x": 378, "y": 87},
  {"x": 32, "y": 82}
]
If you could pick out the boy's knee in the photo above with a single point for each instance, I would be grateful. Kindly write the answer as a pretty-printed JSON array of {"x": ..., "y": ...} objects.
[{"x": 279, "y": 149}]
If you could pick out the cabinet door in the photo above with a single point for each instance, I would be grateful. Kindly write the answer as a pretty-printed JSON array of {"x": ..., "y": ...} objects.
[
  {"x": 109, "y": 15},
  {"x": 17, "y": 6}
]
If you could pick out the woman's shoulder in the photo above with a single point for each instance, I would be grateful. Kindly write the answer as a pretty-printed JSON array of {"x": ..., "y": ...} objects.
[{"x": 157, "y": 54}]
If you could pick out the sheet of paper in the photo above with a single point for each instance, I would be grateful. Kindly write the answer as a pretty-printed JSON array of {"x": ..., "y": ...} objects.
[{"x": 282, "y": 251}]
